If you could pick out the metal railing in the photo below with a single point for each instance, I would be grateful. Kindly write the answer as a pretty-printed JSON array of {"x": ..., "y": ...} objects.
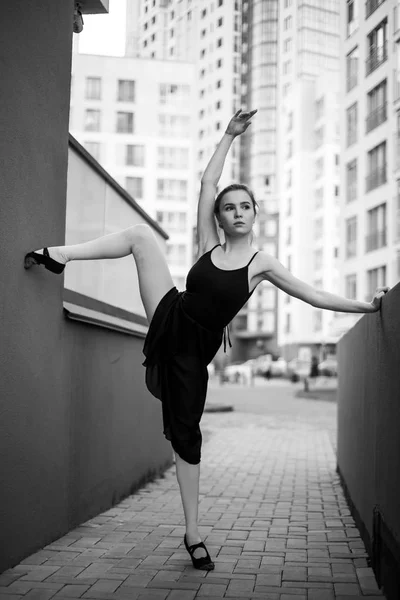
[
  {"x": 376, "y": 57},
  {"x": 371, "y": 6},
  {"x": 376, "y": 117},
  {"x": 376, "y": 178}
]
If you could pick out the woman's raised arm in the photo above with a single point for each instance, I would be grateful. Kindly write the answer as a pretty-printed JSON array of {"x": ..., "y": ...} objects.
[{"x": 206, "y": 229}]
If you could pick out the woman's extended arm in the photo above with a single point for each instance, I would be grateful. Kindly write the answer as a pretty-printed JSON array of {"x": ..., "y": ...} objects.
[
  {"x": 206, "y": 228},
  {"x": 330, "y": 301},
  {"x": 237, "y": 125}
]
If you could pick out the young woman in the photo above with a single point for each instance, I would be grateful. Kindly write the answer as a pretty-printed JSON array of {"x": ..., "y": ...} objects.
[{"x": 187, "y": 328}]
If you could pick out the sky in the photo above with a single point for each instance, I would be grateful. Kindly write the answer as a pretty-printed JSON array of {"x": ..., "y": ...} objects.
[{"x": 104, "y": 34}]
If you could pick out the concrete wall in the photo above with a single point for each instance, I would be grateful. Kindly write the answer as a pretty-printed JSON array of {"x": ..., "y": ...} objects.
[
  {"x": 368, "y": 456},
  {"x": 78, "y": 430}
]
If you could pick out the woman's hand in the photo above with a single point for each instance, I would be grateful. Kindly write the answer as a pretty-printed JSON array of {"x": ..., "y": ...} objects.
[
  {"x": 239, "y": 122},
  {"x": 377, "y": 299}
]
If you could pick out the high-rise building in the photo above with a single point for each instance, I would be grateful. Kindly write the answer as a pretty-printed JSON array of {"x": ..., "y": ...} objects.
[
  {"x": 370, "y": 148},
  {"x": 135, "y": 117},
  {"x": 308, "y": 166}
]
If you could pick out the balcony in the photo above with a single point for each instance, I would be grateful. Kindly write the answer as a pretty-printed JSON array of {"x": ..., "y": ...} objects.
[
  {"x": 376, "y": 178},
  {"x": 376, "y": 57},
  {"x": 376, "y": 117},
  {"x": 371, "y": 6},
  {"x": 396, "y": 23},
  {"x": 376, "y": 239}
]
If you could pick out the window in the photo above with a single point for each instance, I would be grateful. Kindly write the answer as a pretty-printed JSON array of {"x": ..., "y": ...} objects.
[
  {"x": 219, "y": 42},
  {"x": 93, "y": 88},
  {"x": 376, "y": 228},
  {"x": 219, "y": 22},
  {"x": 203, "y": 13},
  {"x": 134, "y": 155},
  {"x": 376, "y": 47},
  {"x": 172, "y": 158},
  {"x": 376, "y": 106},
  {"x": 92, "y": 120},
  {"x": 174, "y": 190},
  {"x": 219, "y": 63},
  {"x": 319, "y": 107},
  {"x": 376, "y": 167},
  {"x": 218, "y": 105},
  {"x": 287, "y": 23},
  {"x": 126, "y": 90},
  {"x": 219, "y": 83},
  {"x": 289, "y": 151},
  {"x": 319, "y": 137},
  {"x": 290, "y": 121},
  {"x": 134, "y": 187},
  {"x": 124, "y": 122},
  {"x": 174, "y": 125},
  {"x": 287, "y": 67},
  {"x": 351, "y": 180},
  {"x": 352, "y": 69},
  {"x": 319, "y": 167},
  {"x": 220, "y": 2},
  {"x": 287, "y": 45},
  {"x": 352, "y": 16},
  {"x": 176, "y": 254},
  {"x": 371, "y": 6},
  {"x": 93, "y": 148},
  {"x": 172, "y": 221},
  {"x": 351, "y": 118},
  {"x": 170, "y": 93}
]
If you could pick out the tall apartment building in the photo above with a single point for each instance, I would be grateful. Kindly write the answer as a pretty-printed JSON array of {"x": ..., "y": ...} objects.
[
  {"x": 135, "y": 117},
  {"x": 308, "y": 167},
  {"x": 370, "y": 149},
  {"x": 208, "y": 34}
]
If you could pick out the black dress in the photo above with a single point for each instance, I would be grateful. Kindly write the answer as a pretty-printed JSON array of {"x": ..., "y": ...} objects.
[{"x": 185, "y": 333}]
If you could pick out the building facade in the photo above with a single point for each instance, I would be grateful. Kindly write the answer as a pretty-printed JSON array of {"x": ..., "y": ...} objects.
[
  {"x": 370, "y": 169},
  {"x": 135, "y": 117}
]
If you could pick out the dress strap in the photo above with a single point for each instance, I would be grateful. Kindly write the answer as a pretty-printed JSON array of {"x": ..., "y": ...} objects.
[
  {"x": 226, "y": 329},
  {"x": 214, "y": 248},
  {"x": 252, "y": 257}
]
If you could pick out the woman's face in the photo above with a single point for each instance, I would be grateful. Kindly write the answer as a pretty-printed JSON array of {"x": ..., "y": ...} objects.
[{"x": 236, "y": 213}]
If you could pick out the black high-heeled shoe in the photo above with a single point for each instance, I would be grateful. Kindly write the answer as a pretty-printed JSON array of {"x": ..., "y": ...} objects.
[
  {"x": 204, "y": 562},
  {"x": 33, "y": 258}
]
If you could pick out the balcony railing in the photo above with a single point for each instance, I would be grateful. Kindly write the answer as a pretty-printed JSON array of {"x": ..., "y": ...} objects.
[
  {"x": 376, "y": 117},
  {"x": 376, "y": 57},
  {"x": 375, "y": 240},
  {"x": 371, "y": 6},
  {"x": 376, "y": 178}
]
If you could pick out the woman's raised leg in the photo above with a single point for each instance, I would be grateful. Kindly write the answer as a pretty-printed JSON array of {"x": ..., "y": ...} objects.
[{"x": 154, "y": 277}]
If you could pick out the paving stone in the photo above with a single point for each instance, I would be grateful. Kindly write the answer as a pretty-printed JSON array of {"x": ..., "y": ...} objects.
[{"x": 272, "y": 514}]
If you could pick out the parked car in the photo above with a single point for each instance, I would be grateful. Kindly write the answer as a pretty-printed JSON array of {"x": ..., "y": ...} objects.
[
  {"x": 328, "y": 367},
  {"x": 278, "y": 367},
  {"x": 238, "y": 372},
  {"x": 262, "y": 364},
  {"x": 298, "y": 369}
]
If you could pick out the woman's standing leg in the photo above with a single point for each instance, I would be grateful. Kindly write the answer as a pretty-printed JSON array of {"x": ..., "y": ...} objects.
[
  {"x": 188, "y": 476},
  {"x": 154, "y": 282}
]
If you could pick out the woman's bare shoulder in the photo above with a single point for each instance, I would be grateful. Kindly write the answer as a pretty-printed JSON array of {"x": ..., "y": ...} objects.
[{"x": 262, "y": 262}]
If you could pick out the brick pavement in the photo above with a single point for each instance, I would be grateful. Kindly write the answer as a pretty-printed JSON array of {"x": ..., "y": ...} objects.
[{"x": 272, "y": 513}]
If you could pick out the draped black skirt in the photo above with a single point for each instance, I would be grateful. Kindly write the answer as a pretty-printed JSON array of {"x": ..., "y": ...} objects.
[{"x": 177, "y": 351}]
